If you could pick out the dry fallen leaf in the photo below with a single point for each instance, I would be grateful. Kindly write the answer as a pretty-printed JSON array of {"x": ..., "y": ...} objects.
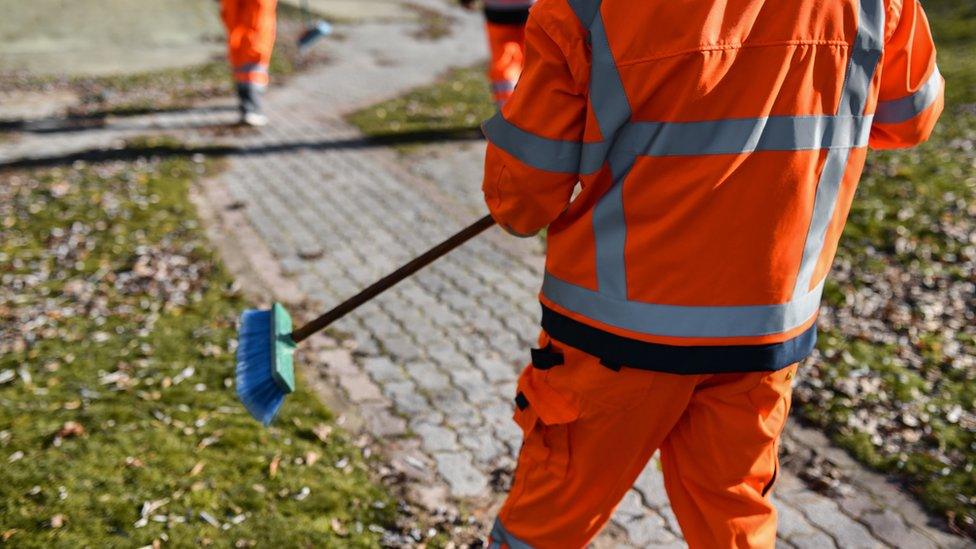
[
  {"x": 273, "y": 466},
  {"x": 71, "y": 429},
  {"x": 322, "y": 431},
  {"x": 197, "y": 469}
]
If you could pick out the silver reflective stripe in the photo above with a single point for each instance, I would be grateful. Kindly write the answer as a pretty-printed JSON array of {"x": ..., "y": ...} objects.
[
  {"x": 733, "y": 136},
  {"x": 612, "y": 111},
  {"x": 502, "y": 85},
  {"x": 857, "y": 85},
  {"x": 252, "y": 67},
  {"x": 744, "y": 135},
  {"x": 585, "y": 10},
  {"x": 541, "y": 153},
  {"x": 906, "y": 108},
  {"x": 864, "y": 57},
  {"x": 680, "y": 320},
  {"x": 500, "y": 535}
]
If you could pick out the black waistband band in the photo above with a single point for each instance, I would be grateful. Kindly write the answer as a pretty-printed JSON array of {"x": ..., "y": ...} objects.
[
  {"x": 632, "y": 353},
  {"x": 507, "y": 17}
]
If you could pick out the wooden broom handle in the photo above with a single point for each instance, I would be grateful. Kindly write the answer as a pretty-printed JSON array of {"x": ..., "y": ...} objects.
[{"x": 393, "y": 278}]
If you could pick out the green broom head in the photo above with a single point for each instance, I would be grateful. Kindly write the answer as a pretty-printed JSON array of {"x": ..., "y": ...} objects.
[{"x": 265, "y": 370}]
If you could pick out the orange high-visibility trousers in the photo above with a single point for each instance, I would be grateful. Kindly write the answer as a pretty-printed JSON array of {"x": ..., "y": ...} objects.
[
  {"x": 507, "y": 45},
  {"x": 250, "y": 28},
  {"x": 589, "y": 431}
]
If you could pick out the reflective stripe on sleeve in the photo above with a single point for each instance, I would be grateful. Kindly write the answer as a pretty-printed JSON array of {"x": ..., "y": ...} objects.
[
  {"x": 541, "y": 153},
  {"x": 906, "y": 108}
]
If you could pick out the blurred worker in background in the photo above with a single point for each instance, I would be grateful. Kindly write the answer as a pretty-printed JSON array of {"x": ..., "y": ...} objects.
[
  {"x": 506, "y": 39},
  {"x": 250, "y": 38}
]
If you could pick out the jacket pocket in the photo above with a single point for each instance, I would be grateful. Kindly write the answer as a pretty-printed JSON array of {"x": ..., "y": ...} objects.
[{"x": 545, "y": 416}]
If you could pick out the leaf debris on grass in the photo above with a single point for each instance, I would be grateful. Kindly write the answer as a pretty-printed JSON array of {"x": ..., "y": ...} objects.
[{"x": 115, "y": 323}]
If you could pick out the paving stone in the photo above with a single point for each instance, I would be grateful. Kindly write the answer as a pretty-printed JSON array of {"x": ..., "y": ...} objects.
[
  {"x": 401, "y": 348},
  {"x": 383, "y": 370},
  {"x": 892, "y": 528},
  {"x": 447, "y": 356},
  {"x": 857, "y": 503},
  {"x": 817, "y": 540},
  {"x": 406, "y": 398},
  {"x": 483, "y": 445},
  {"x": 338, "y": 361},
  {"x": 647, "y": 529},
  {"x": 825, "y": 514},
  {"x": 461, "y": 474},
  {"x": 436, "y": 438},
  {"x": 427, "y": 376},
  {"x": 381, "y": 422},
  {"x": 791, "y": 522},
  {"x": 511, "y": 434},
  {"x": 650, "y": 484},
  {"x": 360, "y": 388},
  {"x": 672, "y": 521},
  {"x": 500, "y": 413},
  {"x": 474, "y": 385}
]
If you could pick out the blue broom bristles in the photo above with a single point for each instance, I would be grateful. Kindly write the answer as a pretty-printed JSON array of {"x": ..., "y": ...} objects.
[
  {"x": 312, "y": 34},
  {"x": 256, "y": 387}
]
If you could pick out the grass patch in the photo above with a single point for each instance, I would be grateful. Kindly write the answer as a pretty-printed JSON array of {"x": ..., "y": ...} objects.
[
  {"x": 458, "y": 101},
  {"x": 118, "y": 420},
  {"x": 177, "y": 88}
]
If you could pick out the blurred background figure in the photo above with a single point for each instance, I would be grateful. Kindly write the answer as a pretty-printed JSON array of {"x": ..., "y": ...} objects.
[
  {"x": 505, "y": 25},
  {"x": 250, "y": 38}
]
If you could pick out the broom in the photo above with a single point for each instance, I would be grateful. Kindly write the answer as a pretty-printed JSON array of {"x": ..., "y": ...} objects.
[
  {"x": 313, "y": 31},
  {"x": 266, "y": 341}
]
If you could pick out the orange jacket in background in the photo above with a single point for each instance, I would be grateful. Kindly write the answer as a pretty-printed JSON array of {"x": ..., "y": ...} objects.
[
  {"x": 718, "y": 146},
  {"x": 250, "y": 28}
]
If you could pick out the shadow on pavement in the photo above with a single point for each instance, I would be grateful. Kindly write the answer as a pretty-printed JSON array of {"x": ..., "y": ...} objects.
[
  {"x": 139, "y": 151},
  {"x": 94, "y": 119}
]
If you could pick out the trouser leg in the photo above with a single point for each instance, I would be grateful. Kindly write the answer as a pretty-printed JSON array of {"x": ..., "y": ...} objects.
[
  {"x": 720, "y": 460},
  {"x": 250, "y": 40},
  {"x": 589, "y": 431},
  {"x": 507, "y": 44}
]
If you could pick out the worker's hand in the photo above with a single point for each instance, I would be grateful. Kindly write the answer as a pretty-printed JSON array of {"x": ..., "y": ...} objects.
[{"x": 467, "y": 4}]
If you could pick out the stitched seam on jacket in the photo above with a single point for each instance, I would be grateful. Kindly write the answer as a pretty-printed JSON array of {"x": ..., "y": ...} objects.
[{"x": 737, "y": 46}]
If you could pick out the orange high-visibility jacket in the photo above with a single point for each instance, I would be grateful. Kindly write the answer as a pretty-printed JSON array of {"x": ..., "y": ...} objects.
[{"x": 717, "y": 146}]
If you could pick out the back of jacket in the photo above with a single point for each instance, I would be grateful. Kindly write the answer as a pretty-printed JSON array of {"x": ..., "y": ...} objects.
[{"x": 718, "y": 145}]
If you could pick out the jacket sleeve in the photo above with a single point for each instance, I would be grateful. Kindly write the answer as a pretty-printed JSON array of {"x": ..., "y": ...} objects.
[
  {"x": 910, "y": 97},
  {"x": 534, "y": 143}
]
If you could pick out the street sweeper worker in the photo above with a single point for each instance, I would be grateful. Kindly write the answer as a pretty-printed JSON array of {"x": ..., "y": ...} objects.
[
  {"x": 250, "y": 26},
  {"x": 716, "y": 147},
  {"x": 505, "y": 27}
]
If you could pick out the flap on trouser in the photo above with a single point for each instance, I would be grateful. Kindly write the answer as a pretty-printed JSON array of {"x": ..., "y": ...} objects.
[{"x": 544, "y": 415}]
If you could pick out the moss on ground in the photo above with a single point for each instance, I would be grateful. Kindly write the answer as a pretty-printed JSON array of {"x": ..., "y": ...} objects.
[
  {"x": 119, "y": 426},
  {"x": 458, "y": 101}
]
